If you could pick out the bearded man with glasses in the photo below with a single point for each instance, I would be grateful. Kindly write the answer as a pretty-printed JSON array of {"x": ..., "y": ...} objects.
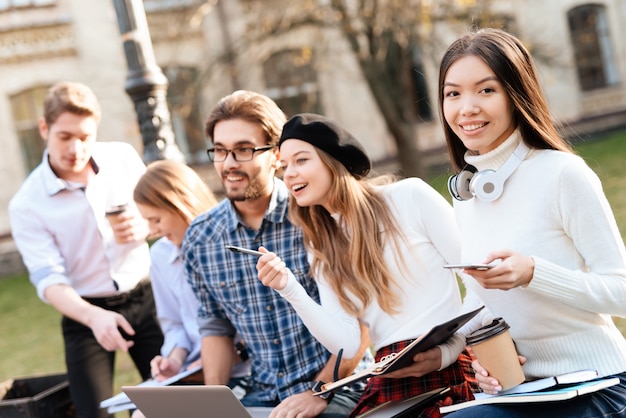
[{"x": 286, "y": 360}]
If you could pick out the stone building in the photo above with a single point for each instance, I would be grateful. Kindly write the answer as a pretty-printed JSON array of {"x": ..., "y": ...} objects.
[{"x": 577, "y": 44}]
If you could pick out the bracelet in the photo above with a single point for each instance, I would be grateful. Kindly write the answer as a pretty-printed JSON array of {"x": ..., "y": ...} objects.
[{"x": 317, "y": 387}]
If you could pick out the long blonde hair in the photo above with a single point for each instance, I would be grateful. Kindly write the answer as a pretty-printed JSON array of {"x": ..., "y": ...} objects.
[
  {"x": 351, "y": 254},
  {"x": 175, "y": 187}
]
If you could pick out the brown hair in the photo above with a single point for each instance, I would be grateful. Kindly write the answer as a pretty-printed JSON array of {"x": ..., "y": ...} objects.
[
  {"x": 512, "y": 64},
  {"x": 176, "y": 187},
  {"x": 72, "y": 97},
  {"x": 350, "y": 254},
  {"x": 252, "y": 107}
]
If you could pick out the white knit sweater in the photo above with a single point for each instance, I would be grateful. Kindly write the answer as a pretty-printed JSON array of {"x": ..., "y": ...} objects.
[{"x": 553, "y": 209}]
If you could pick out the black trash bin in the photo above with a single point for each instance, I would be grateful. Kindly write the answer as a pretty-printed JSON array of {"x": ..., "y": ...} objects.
[{"x": 38, "y": 397}]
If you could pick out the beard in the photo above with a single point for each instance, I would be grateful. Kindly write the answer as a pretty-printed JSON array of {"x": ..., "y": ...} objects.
[{"x": 253, "y": 191}]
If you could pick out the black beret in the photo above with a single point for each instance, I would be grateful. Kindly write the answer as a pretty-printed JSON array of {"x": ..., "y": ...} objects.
[{"x": 328, "y": 136}]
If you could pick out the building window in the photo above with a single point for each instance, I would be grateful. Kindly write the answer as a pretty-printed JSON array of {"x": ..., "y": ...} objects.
[
  {"x": 291, "y": 80},
  {"x": 14, "y": 4},
  {"x": 27, "y": 110},
  {"x": 184, "y": 102},
  {"x": 160, "y": 5},
  {"x": 589, "y": 31}
]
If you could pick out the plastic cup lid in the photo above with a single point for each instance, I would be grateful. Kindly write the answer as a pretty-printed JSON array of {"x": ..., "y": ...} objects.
[{"x": 497, "y": 326}]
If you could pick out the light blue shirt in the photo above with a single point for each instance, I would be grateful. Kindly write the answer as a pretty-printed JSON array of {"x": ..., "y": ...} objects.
[
  {"x": 177, "y": 306},
  {"x": 63, "y": 235}
]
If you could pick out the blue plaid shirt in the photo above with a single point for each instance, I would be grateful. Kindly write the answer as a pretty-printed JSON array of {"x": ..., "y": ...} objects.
[{"x": 285, "y": 357}]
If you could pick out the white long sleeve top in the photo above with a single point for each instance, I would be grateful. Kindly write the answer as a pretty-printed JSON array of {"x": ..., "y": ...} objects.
[
  {"x": 429, "y": 294},
  {"x": 553, "y": 209}
]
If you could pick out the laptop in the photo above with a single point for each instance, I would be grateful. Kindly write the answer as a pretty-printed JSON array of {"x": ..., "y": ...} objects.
[{"x": 191, "y": 401}]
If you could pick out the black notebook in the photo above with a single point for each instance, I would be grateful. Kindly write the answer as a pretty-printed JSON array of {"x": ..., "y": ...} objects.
[{"x": 438, "y": 334}]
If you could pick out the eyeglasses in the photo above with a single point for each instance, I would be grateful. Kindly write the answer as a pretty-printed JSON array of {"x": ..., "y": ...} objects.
[{"x": 240, "y": 154}]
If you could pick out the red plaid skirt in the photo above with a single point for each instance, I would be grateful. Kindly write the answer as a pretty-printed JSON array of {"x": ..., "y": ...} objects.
[{"x": 459, "y": 377}]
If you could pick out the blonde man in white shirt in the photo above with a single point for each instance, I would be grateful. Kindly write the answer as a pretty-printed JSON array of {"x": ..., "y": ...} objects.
[{"x": 94, "y": 274}]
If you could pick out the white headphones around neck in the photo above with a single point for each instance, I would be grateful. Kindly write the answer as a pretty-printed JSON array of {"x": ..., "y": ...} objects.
[{"x": 486, "y": 185}]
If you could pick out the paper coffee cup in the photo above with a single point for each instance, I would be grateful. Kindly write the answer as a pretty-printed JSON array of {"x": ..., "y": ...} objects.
[
  {"x": 111, "y": 215},
  {"x": 494, "y": 349}
]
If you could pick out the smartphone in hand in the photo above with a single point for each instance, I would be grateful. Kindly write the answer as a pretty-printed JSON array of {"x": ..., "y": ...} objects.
[{"x": 469, "y": 266}]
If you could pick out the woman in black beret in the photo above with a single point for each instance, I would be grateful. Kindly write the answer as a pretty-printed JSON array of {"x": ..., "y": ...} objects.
[{"x": 377, "y": 252}]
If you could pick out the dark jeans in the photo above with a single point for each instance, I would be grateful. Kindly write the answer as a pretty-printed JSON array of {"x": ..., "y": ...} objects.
[
  {"x": 607, "y": 403},
  {"x": 342, "y": 404},
  {"x": 90, "y": 367}
]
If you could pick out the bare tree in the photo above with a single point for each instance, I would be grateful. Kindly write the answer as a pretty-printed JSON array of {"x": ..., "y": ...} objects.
[
  {"x": 384, "y": 37},
  {"x": 388, "y": 39}
]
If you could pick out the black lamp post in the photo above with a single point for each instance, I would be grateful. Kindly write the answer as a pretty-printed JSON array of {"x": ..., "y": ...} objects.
[{"x": 146, "y": 84}]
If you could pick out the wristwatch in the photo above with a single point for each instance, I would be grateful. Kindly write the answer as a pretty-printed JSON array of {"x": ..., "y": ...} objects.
[
  {"x": 317, "y": 387},
  {"x": 241, "y": 350}
]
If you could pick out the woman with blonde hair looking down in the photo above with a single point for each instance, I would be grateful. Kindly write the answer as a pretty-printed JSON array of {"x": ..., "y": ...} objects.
[{"x": 169, "y": 196}]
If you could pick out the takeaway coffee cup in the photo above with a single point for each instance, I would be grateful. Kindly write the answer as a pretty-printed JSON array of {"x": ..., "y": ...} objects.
[
  {"x": 494, "y": 349},
  {"x": 111, "y": 214}
]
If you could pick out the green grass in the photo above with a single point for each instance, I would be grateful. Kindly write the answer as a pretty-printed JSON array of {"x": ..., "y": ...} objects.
[
  {"x": 30, "y": 337},
  {"x": 30, "y": 334}
]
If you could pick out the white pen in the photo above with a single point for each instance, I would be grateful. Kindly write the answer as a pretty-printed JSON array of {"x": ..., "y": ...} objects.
[{"x": 244, "y": 250}]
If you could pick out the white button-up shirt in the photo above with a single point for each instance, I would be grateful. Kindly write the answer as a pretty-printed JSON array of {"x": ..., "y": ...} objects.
[{"x": 63, "y": 235}]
